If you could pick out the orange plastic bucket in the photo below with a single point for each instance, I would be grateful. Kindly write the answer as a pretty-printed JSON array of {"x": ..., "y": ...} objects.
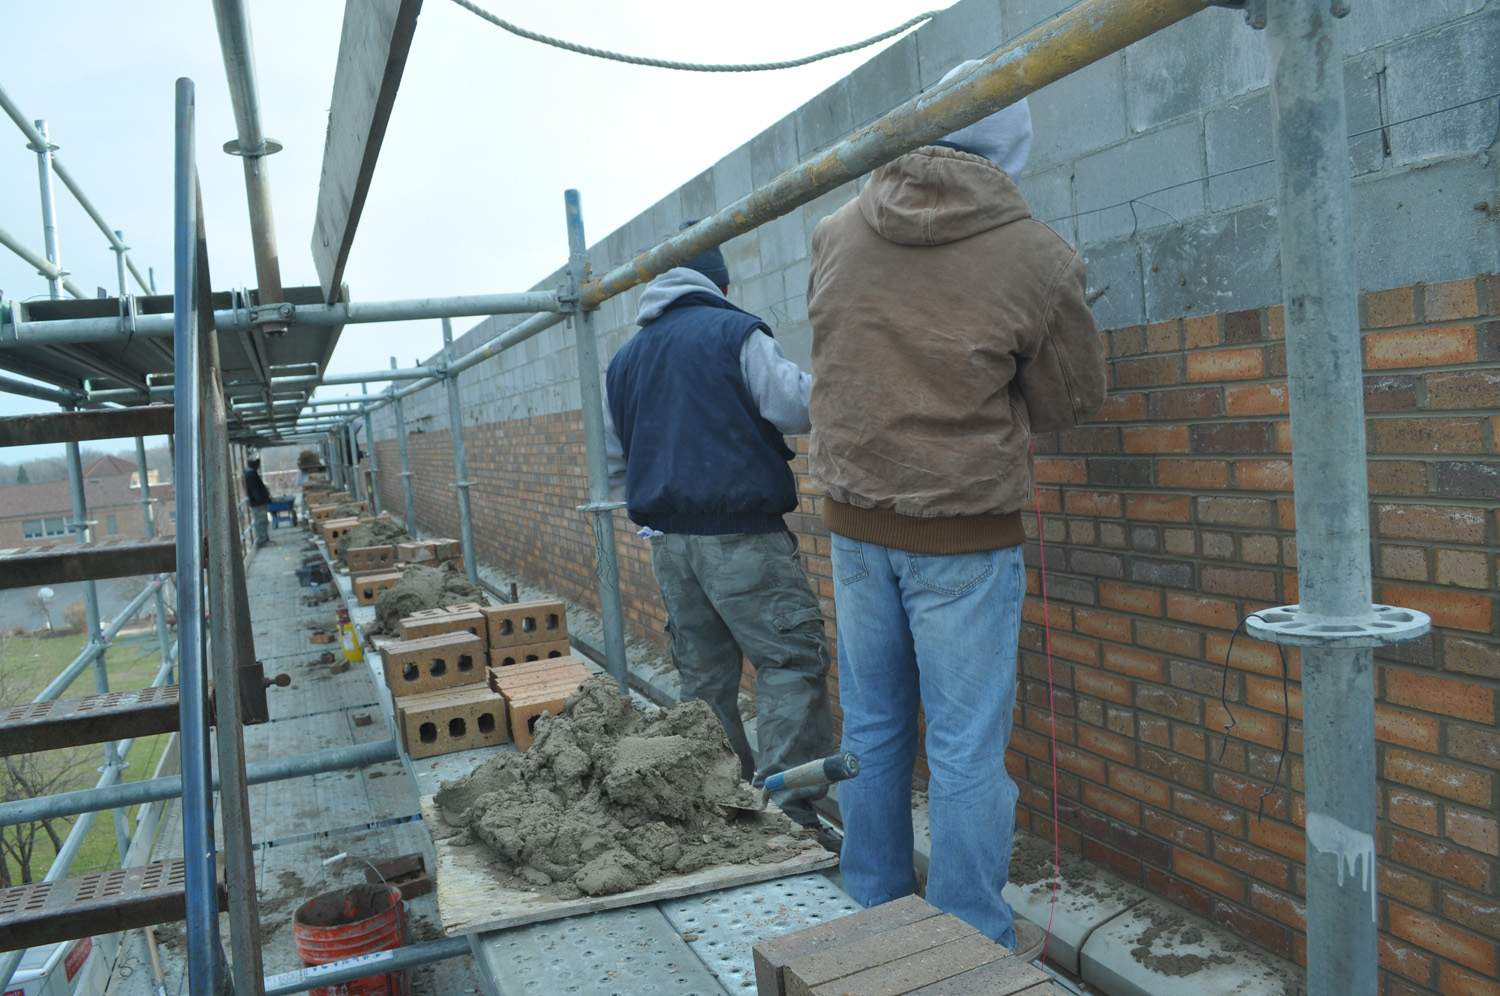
[{"x": 344, "y": 923}]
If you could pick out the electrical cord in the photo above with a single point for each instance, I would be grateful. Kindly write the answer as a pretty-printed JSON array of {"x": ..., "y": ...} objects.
[{"x": 690, "y": 67}]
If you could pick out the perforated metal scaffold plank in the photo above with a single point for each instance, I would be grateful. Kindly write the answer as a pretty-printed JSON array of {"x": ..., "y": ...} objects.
[
  {"x": 96, "y": 903},
  {"x": 140, "y": 712}
]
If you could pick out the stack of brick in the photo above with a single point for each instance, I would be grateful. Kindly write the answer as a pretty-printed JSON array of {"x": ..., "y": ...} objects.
[
  {"x": 437, "y": 676},
  {"x": 431, "y": 552},
  {"x": 530, "y": 662},
  {"x": 533, "y": 689},
  {"x": 905, "y": 946}
]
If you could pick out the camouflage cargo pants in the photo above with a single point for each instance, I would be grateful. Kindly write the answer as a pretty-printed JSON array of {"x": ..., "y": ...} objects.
[{"x": 745, "y": 595}]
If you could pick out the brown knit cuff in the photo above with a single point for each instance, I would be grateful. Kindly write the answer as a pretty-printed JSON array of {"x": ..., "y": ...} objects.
[{"x": 956, "y": 534}]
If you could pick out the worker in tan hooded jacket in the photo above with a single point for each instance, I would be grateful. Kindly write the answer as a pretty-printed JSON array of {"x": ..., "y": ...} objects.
[{"x": 948, "y": 327}]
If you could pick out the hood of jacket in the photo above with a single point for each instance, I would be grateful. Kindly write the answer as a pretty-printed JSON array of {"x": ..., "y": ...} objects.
[
  {"x": 677, "y": 282},
  {"x": 938, "y": 195}
]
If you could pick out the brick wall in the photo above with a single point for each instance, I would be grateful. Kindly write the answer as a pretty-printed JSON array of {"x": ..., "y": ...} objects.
[
  {"x": 128, "y": 523},
  {"x": 1166, "y": 521}
]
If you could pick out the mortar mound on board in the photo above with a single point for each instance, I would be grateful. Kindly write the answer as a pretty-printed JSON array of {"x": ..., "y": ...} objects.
[
  {"x": 374, "y": 532},
  {"x": 421, "y": 588},
  {"x": 609, "y": 799}
]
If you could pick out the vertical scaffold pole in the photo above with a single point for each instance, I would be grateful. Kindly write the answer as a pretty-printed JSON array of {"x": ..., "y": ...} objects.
[
  {"x": 374, "y": 457},
  {"x": 356, "y": 479},
  {"x": 599, "y": 508},
  {"x": 411, "y": 507},
  {"x": 461, "y": 480},
  {"x": 49, "y": 210},
  {"x": 148, "y": 517}
]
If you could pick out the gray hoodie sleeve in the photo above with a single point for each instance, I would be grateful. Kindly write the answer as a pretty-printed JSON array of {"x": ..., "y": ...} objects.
[
  {"x": 780, "y": 387},
  {"x": 614, "y": 457}
]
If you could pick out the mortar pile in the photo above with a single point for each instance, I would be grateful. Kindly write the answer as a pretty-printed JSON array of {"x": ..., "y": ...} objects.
[
  {"x": 609, "y": 799},
  {"x": 421, "y": 588},
  {"x": 374, "y": 532}
]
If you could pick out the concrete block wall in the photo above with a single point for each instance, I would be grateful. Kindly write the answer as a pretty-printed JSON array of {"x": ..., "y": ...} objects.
[{"x": 1169, "y": 518}]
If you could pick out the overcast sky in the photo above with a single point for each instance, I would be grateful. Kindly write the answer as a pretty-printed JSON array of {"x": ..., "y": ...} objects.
[{"x": 487, "y": 131}]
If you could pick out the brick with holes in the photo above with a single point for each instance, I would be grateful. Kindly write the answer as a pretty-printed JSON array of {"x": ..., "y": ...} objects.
[
  {"x": 332, "y": 530},
  {"x": 526, "y": 623},
  {"x": 418, "y": 626},
  {"x": 530, "y": 690},
  {"x": 511, "y": 656},
  {"x": 451, "y": 719},
  {"x": 416, "y": 552},
  {"x": 414, "y": 667},
  {"x": 370, "y": 558},
  {"x": 367, "y": 587},
  {"x": 322, "y": 513}
]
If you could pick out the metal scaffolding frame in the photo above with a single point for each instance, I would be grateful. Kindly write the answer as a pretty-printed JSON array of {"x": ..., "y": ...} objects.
[{"x": 1336, "y": 623}]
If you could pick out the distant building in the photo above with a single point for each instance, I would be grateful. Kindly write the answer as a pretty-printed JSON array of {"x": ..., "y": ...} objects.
[{"x": 31, "y": 514}]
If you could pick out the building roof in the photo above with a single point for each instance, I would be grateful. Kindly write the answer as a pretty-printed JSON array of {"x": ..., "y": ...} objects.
[
  {"x": 54, "y": 498},
  {"x": 109, "y": 466}
]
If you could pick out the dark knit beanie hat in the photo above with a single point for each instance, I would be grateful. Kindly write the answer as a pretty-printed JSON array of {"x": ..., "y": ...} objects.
[{"x": 709, "y": 262}]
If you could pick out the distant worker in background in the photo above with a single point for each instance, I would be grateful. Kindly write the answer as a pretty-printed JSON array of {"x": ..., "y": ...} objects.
[
  {"x": 948, "y": 326},
  {"x": 259, "y": 497},
  {"x": 698, "y": 402}
]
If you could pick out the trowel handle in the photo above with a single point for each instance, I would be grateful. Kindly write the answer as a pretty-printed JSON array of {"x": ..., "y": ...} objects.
[{"x": 824, "y": 771}]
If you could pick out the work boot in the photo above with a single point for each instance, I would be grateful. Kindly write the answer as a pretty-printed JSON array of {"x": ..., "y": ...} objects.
[{"x": 1029, "y": 940}]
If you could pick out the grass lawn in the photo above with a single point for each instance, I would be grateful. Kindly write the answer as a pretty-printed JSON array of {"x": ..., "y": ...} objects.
[{"x": 27, "y": 665}]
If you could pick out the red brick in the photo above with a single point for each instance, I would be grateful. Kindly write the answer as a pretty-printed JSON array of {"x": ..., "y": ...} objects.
[
  {"x": 1150, "y": 371},
  {"x": 1163, "y": 337},
  {"x": 1451, "y": 781},
  {"x": 1208, "y": 874},
  {"x": 1263, "y": 475},
  {"x": 1476, "y": 831},
  {"x": 1112, "y": 804},
  {"x": 1427, "y": 435},
  {"x": 1155, "y": 439},
  {"x": 1257, "y": 864},
  {"x": 1452, "y": 979},
  {"x": 1134, "y": 663},
  {"x": 1389, "y": 307},
  {"x": 1404, "y": 563},
  {"x": 1225, "y": 364},
  {"x": 1093, "y": 503},
  {"x": 1421, "y": 348},
  {"x": 1408, "y": 729},
  {"x": 1259, "y": 585},
  {"x": 1443, "y": 939},
  {"x": 1087, "y": 681},
  {"x": 1266, "y": 694},
  {"x": 1439, "y": 859},
  {"x": 1247, "y": 724},
  {"x": 1059, "y": 470},
  {"x": 1463, "y": 389},
  {"x": 1431, "y": 523},
  {"x": 1447, "y": 607},
  {"x": 1402, "y": 959},
  {"x": 1140, "y": 786},
  {"x": 1190, "y": 402},
  {"x": 1130, "y": 598},
  {"x": 1249, "y": 513},
  {"x": 1255, "y": 399},
  {"x": 1193, "y": 474},
  {"x": 1106, "y": 744},
  {"x": 1287, "y": 841},
  {"x": 1201, "y": 611},
  {"x": 1434, "y": 693},
  {"x": 1179, "y": 833},
  {"x": 1472, "y": 657},
  {"x": 1463, "y": 568},
  {"x": 1413, "y": 811},
  {"x": 1074, "y": 648},
  {"x": 1278, "y": 906},
  {"x": 1158, "y": 508},
  {"x": 1478, "y": 913},
  {"x": 1398, "y": 883},
  {"x": 1081, "y": 764},
  {"x": 1122, "y": 406},
  {"x": 1451, "y": 300},
  {"x": 1189, "y": 741},
  {"x": 1201, "y": 331},
  {"x": 1209, "y": 813}
]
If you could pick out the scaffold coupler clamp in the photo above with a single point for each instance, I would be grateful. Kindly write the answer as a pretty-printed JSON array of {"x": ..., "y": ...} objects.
[{"x": 1255, "y": 10}]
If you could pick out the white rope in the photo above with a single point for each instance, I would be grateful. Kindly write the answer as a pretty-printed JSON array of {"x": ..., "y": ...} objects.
[{"x": 690, "y": 67}]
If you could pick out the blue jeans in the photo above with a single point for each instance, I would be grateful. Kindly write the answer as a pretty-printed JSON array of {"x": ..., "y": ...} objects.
[{"x": 942, "y": 630}]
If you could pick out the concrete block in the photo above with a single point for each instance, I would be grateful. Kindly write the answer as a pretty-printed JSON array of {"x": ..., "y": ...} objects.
[
  {"x": 824, "y": 205},
  {"x": 1433, "y": 208},
  {"x": 795, "y": 339},
  {"x": 1238, "y": 135},
  {"x": 794, "y": 281},
  {"x": 451, "y": 720},
  {"x": 773, "y": 151},
  {"x": 698, "y": 198},
  {"x": 367, "y": 587},
  {"x": 970, "y": 29},
  {"x": 1458, "y": 63},
  {"x": 742, "y": 256},
  {"x": 512, "y": 656},
  {"x": 421, "y": 625},
  {"x": 1384, "y": 22},
  {"x": 823, "y": 120},
  {"x": 413, "y": 667},
  {"x": 666, "y": 217},
  {"x": 771, "y": 956},
  {"x": 523, "y": 623},
  {"x": 370, "y": 558},
  {"x": 1049, "y": 194},
  {"x": 732, "y": 176},
  {"x": 1157, "y": 949},
  {"x": 886, "y": 81},
  {"x": 1115, "y": 268},
  {"x": 783, "y": 241},
  {"x": 759, "y": 295},
  {"x": 1195, "y": 64},
  {"x": 1078, "y": 114},
  {"x": 1136, "y": 168},
  {"x": 1224, "y": 262}
]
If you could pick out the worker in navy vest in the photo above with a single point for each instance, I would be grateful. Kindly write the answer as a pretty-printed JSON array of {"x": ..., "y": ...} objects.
[{"x": 699, "y": 400}]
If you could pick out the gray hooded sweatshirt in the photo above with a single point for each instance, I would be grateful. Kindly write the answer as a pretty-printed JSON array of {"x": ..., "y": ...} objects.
[{"x": 779, "y": 387}]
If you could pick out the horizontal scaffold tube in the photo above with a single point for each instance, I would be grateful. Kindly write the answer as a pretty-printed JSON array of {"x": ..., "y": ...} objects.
[
  {"x": 84, "y": 330},
  {"x": 157, "y": 789}
]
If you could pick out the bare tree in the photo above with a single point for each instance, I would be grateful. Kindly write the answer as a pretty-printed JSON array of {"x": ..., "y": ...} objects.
[{"x": 27, "y": 776}]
